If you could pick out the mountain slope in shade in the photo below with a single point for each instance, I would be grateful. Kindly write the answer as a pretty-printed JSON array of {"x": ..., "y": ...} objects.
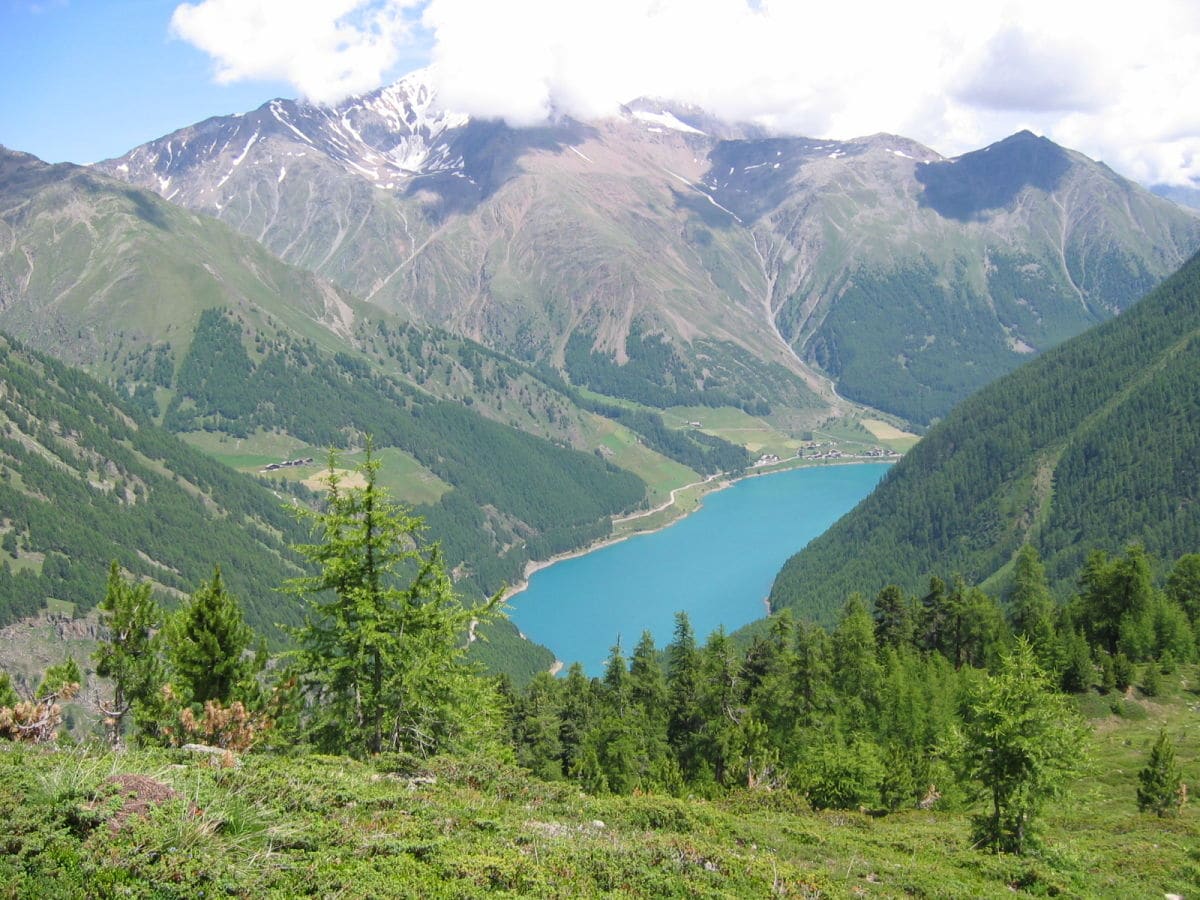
[
  {"x": 909, "y": 278},
  {"x": 1092, "y": 445},
  {"x": 1186, "y": 196}
]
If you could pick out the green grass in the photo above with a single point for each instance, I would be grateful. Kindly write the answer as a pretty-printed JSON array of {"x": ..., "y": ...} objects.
[
  {"x": 279, "y": 826},
  {"x": 252, "y": 453},
  {"x": 406, "y": 479},
  {"x": 736, "y": 426},
  {"x": 57, "y": 607},
  {"x": 623, "y": 448}
]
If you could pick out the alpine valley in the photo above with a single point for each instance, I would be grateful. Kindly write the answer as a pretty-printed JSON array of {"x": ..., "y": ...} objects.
[
  {"x": 223, "y": 352},
  {"x": 530, "y": 321}
]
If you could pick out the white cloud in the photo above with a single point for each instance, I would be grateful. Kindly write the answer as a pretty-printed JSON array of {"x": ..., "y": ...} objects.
[
  {"x": 327, "y": 49},
  {"x": 1116, "y": 85}
]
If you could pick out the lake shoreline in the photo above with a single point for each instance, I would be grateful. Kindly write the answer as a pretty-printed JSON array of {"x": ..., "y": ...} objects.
[{"x": 720, "y": 482}]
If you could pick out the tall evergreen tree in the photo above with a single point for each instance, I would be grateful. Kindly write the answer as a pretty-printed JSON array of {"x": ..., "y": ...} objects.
[
  {"x": 611, "y": 760},
  {"x": 893, "y": 618},
  {"x": 685, "y": 720},
  {"x": 933, "y": 618},
  {"x": 811, "y": 676},
  {"x": 1031, "y": 606},
  {"x": 1116, "y": 601},
  {"x": 767, "y": 679},
  {"x": 721, "y": 704},
  {"x": 856, "y": 671},
  {"x": 1183, "y": 586},
  {"x": 382, "y": 649},
  {"x": 537, "y": 738}
]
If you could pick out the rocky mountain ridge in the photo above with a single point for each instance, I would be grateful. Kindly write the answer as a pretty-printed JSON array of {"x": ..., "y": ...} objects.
[{"x": 907, "y": 278}]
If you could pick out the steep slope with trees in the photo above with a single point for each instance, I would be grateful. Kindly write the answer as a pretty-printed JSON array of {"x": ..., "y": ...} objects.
[
  {"x": 1093, "y": 445},
  {"x": 84, "y": 481}
]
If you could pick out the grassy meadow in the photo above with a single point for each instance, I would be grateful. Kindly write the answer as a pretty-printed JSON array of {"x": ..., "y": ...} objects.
[{"x": 276, "y": 825}]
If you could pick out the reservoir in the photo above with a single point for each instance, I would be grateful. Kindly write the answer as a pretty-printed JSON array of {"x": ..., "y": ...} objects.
[{"x": 717, "y": 565}]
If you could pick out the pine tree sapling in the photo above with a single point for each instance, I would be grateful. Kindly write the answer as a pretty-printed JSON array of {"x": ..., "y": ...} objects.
[
  {"x": 1020, "y": 744},
  {"x": 1160, "y": 783},
  {"x": 129, "y": 655},
  {"x": 1151, "y": 679},
  {"x": 208, "y": 645}
]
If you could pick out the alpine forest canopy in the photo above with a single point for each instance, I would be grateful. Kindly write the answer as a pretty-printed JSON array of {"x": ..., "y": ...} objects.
[
  {"x": 1093, "y": 445},
  {"x": 85, "y": 480}
]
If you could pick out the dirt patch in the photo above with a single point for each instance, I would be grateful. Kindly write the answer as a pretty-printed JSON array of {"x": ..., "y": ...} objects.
[{"x": 139, "y": 794}]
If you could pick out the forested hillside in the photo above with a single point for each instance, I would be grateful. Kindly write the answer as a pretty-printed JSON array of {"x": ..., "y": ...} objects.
[
  {"x": 84, "y": 481},
  {"x": 1093, "y": 445},
  {"x": 515, "y": 497}
]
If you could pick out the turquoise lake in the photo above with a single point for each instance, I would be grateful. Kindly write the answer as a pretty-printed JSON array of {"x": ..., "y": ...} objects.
[{"x": 717, "y": 565}]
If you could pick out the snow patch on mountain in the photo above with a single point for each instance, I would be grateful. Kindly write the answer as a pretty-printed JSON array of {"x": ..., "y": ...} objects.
[{"x": 664, "y": 120}]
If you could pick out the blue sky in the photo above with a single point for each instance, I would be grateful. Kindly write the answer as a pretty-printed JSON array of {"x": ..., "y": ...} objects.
[
  {"x": 85, "y": 80},
  {"x": 88, "y": 80}
]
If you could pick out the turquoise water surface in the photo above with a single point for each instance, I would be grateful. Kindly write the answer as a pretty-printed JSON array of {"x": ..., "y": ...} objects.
[{"x": 717, "y": 565}]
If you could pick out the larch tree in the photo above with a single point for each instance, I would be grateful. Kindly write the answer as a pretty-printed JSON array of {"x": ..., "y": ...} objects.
[
  {"x": 382, "y": 651},
  {"x": 1019, "y": 744}
]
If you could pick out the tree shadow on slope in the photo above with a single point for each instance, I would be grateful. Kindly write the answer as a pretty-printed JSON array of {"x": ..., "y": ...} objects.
[{"x": 967, "y": 187}]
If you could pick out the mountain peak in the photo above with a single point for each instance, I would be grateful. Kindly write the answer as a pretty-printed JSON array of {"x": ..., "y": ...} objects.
[{"x": 897, "y": 145}]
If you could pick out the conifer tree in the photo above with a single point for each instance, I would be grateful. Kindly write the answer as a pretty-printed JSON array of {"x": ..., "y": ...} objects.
[
  {"x": 130, "y": 654},
  {"x": 856, "y": 671},
  {"x": 1117, "y": 602},
  {"x": 1020, "y": 742},
  {"x": 648, "y": 697},
  {"x": 1151, "y": 679},
  {"x": 1108, "y": 674},
  {"x": 811, "y": 676},
  {"x": 685, "y": 719},
  {"x": 207, "y": 643},
  {"x": 1160, "y": 783},
  {"x": 59, "y": 676},
  {"x": 577, "y": 712},
  {"x": 1183, "y": 586},
  {"x": 933, "y": 618},
  {"x": 612, "y": 760},
  {"x": 539, "y": 748},
  {"x": 893, "y": 618},
  {"x": 8, "y": 694},
  {"x": 1122, "y": 672},
  {"x": 1078, "y": 671},
  {"x": 721, "y": 708},
  {"x": 648, "y": 688},
  {"x": 1032, "y": 607},
  {"x": 767, "y": 676},
  {"x": 382, "y": 649}
]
